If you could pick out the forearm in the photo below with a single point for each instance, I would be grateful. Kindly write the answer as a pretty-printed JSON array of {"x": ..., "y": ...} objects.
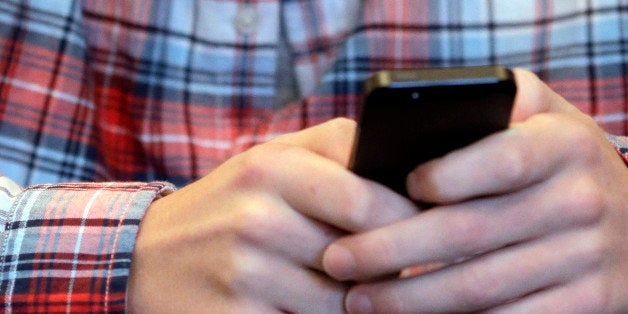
[{"x": 67, "y": 247}]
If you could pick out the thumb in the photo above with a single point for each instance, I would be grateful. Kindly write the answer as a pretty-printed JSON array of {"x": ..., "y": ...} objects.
[{"x": 534, "y": 97}]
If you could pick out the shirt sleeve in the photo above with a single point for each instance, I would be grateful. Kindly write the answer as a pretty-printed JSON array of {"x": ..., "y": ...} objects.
[
  {"x": 621, "y": 144},
  {"x": 67, "y": 247}
]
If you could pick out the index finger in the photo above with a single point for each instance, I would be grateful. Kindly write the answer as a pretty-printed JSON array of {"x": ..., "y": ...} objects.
[{"x": 534, "y": 97}]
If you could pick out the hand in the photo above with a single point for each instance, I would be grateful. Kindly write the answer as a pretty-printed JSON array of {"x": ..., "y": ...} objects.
[
  {"x": 530, "y": 220},
  {"x": 249, "y": 237}
]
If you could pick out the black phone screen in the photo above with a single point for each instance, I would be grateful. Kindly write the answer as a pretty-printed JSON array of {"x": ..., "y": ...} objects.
[{"x": 409, "y": 117}]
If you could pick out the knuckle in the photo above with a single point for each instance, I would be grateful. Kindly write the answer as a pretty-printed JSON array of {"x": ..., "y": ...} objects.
[
  {"x": 580, "y": 135},
  {"x": 387, "y": 251},
  {"x": 261, "y": 164},
  {"x": 252, "y": 223},
  {"x": 593, "y": 249},
  {"x": 465, "y": 232},
  {"x": 252, "y": 168},
  {"x": 255, "y": 220},
  {"x": 587, "y": 202},
  {"x": 476, "y": 289},
  {"x": 237, "y": 269},
  {"x": 517, "y": 159},
  {"x": 352, "y": 204}
]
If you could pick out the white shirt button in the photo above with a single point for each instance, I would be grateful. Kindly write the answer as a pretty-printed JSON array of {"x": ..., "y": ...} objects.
[{"x": 246, "y": 20}]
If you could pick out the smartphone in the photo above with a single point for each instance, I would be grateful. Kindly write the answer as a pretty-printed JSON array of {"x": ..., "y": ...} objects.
[{"x": 411, "y": 116}]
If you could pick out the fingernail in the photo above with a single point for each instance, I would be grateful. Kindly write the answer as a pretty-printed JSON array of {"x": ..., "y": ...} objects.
[
  {"x": 358, "y": 302},
  {"x": 339, "y": 262}
]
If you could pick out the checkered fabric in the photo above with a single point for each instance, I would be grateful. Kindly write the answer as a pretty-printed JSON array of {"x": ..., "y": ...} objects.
[
  {"x": 143, "y": 91},
  {"x": 67, "y": 247}
]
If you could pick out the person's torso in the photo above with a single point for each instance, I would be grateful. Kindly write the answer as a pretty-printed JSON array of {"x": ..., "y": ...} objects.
[{"x": 167, "y": 90}]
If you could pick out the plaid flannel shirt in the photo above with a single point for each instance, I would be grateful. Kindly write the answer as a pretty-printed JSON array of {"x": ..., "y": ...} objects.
[{"x": 145, "y": 91}]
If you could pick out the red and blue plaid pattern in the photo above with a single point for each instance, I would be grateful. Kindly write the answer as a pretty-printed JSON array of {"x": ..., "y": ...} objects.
[
  {"x": 167, "y": 90},
  {"x": 67, "y": 247}
]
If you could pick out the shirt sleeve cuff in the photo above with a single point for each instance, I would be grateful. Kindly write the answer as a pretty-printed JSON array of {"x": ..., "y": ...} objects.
[
  {"x": 67, "y": 247},
  {"x": 621, "y": 144}
]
